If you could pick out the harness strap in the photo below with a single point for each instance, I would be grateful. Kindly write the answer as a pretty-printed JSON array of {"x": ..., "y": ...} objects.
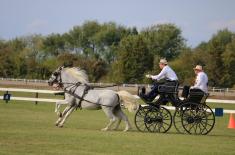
[
  {"x": 71, "y": 91},
  {"x": 74, "y": 87},
  {"x": 81, "y": 98},
  {"x": 87, "y": 88}
]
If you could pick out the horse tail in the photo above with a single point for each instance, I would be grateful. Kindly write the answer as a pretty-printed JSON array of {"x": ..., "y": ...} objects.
[
  {"x": 118, "y": 106},
  {"x": 128, "y": 101}
]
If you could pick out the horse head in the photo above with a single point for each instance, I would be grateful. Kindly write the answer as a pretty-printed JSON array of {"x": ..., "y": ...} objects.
[
  {"x": 67, "y": 75},
  {"x": 55, "y": 79}
]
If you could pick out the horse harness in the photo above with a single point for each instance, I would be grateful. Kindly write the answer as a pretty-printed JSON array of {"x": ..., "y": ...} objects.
[
  {"x": 74, "y": 87},
  {"x": 72, "y": 90}
]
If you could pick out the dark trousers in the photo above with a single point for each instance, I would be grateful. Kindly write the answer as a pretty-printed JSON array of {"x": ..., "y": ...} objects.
[
  {"x": 152, "y": 93},
  {"x": 155, "y": 89}
]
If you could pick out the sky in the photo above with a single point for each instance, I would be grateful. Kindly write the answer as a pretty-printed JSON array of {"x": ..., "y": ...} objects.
[{"x": 197, "y": 19}]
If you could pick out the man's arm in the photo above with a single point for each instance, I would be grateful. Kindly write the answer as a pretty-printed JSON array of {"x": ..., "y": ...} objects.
[
  {"x": 160, "y": 76},
  {"x": 198, "y": 82}
]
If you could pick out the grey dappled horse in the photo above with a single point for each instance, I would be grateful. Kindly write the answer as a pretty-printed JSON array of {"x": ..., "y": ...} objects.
[{"x": 78, "y": 94}]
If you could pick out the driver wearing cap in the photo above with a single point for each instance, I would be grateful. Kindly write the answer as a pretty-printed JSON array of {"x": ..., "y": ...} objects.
[
  {"x": 201, "y": 81},
  {"x": 166, "y": 73}
]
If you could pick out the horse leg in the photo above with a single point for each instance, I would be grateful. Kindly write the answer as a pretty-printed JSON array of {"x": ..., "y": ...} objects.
[
  {"x": 57, "y": 108},
  {"x": 68, "y": 100},
  {"x": 58, "y": 104},
  {"x": 118, "y": 123},
  {"x": 109, "y": 113},
  {"x": 67, "y": 114},
  {"x": 120, "y": 114},
  {"x": 61, "y": 115}
]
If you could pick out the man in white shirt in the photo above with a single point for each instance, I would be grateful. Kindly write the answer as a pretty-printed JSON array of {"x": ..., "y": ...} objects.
[
  {"x": 201, "y": 81},
  {"x": 167, "y": 73}
]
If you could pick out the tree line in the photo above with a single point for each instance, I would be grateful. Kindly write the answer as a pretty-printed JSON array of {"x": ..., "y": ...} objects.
[{"x": 119, "y": 54}]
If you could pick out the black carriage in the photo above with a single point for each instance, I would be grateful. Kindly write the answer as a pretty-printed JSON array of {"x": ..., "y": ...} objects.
[{"x": 191, "y": 114}]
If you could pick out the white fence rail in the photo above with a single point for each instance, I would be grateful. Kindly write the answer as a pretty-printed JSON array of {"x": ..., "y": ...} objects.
[
  {"x": 210, "y": 100},
  {"x": 30, "y": 90},
  {"x": 212, "y": 89},
  {"x": 7, "y": 90},
  {"x": 36, "y": 99}
]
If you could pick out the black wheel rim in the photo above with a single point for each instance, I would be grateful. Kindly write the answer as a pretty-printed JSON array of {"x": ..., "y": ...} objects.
[
  {"x": 198, "y": 119},
  {"x": 158, "y": 119},
  {"x": 140, "y": 118},
  {"x": 177, "y": 120}
]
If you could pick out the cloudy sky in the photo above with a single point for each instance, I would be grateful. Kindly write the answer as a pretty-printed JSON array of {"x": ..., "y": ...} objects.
[{"x": 198, "y": 19}]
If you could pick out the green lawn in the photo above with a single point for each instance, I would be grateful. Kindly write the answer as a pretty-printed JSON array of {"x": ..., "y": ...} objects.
[
  {"x": 28, "y": 129},
  {"x": 222, "y": 105}
]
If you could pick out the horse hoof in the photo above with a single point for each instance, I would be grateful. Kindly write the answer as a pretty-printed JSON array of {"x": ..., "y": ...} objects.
[
  {"x": 59, "y": 114},
  {"x": 127, "y": 129},
  {"x": 104, "y": 129},
  {"x": 60, "y": 126},
  {"x": 57, "y": 123}
]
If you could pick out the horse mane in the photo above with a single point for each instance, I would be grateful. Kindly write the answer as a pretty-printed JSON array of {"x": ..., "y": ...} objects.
[{"x": 78, "y": 74}]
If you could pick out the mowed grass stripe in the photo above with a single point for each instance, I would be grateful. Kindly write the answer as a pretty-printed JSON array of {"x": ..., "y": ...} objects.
[{"x": 26, "y": 128}]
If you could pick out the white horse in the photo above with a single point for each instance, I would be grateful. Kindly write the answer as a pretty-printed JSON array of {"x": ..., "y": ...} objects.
[
  {"x": 78, "y": 94},
  {"x": 127, "y": 100}
]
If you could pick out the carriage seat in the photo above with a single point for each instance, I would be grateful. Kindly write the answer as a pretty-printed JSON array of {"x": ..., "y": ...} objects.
[
  {"x": 194, "y": 95},
  {"x": 169, "y": 87}
]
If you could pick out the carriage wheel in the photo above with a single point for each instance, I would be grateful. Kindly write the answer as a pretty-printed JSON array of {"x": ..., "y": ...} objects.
[
  {"x": 198, "y": 119},
  {"x": 140, "y": 118},
  {"x": 177, "y": 120},
  {"x": 158, "y": 119}
]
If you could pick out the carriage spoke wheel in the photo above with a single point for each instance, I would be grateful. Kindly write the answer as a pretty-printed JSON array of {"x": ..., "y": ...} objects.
[
  {"x": 198, "y": 119},
  {"x": 158, "y": 119},
  {"x": 177, "y": 120},
  {"x": 140, "y": 118}
]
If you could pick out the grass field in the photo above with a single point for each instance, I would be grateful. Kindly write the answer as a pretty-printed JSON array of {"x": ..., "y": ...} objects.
[{"x": 28, "y": 129}]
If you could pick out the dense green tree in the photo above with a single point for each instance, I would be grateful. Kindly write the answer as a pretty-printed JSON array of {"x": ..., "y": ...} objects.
[
  {"x": 95, "y": 68},
  {"x": 114, "y": 53},
  {"x": 88, "y": 42},
  {"x": 228, "y": 58},
  {"x": 17, "y": 44},
  {"x": 215, "y": 66},
  {"x": 164, "y": 40},
  {"x": 66, "y": 59},
  {"x": 7, "y": 66},
  {"x": 54, "y": 44},
  {"x": 134, "y": 59},
  {"x": 74, "y": 37},
  {"x": 183, "y": 66}
]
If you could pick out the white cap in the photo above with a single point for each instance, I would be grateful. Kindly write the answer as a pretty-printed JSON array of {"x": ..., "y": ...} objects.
[
  {"x": 163, "y": 61},
  {"x": 198, "y": 67}
]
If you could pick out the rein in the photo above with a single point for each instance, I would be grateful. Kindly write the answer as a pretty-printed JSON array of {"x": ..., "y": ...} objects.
[
  {"x": 72, "y": 92},
  {"x": 75, "y": 86},
  {"x": 81, "y": 98}
]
